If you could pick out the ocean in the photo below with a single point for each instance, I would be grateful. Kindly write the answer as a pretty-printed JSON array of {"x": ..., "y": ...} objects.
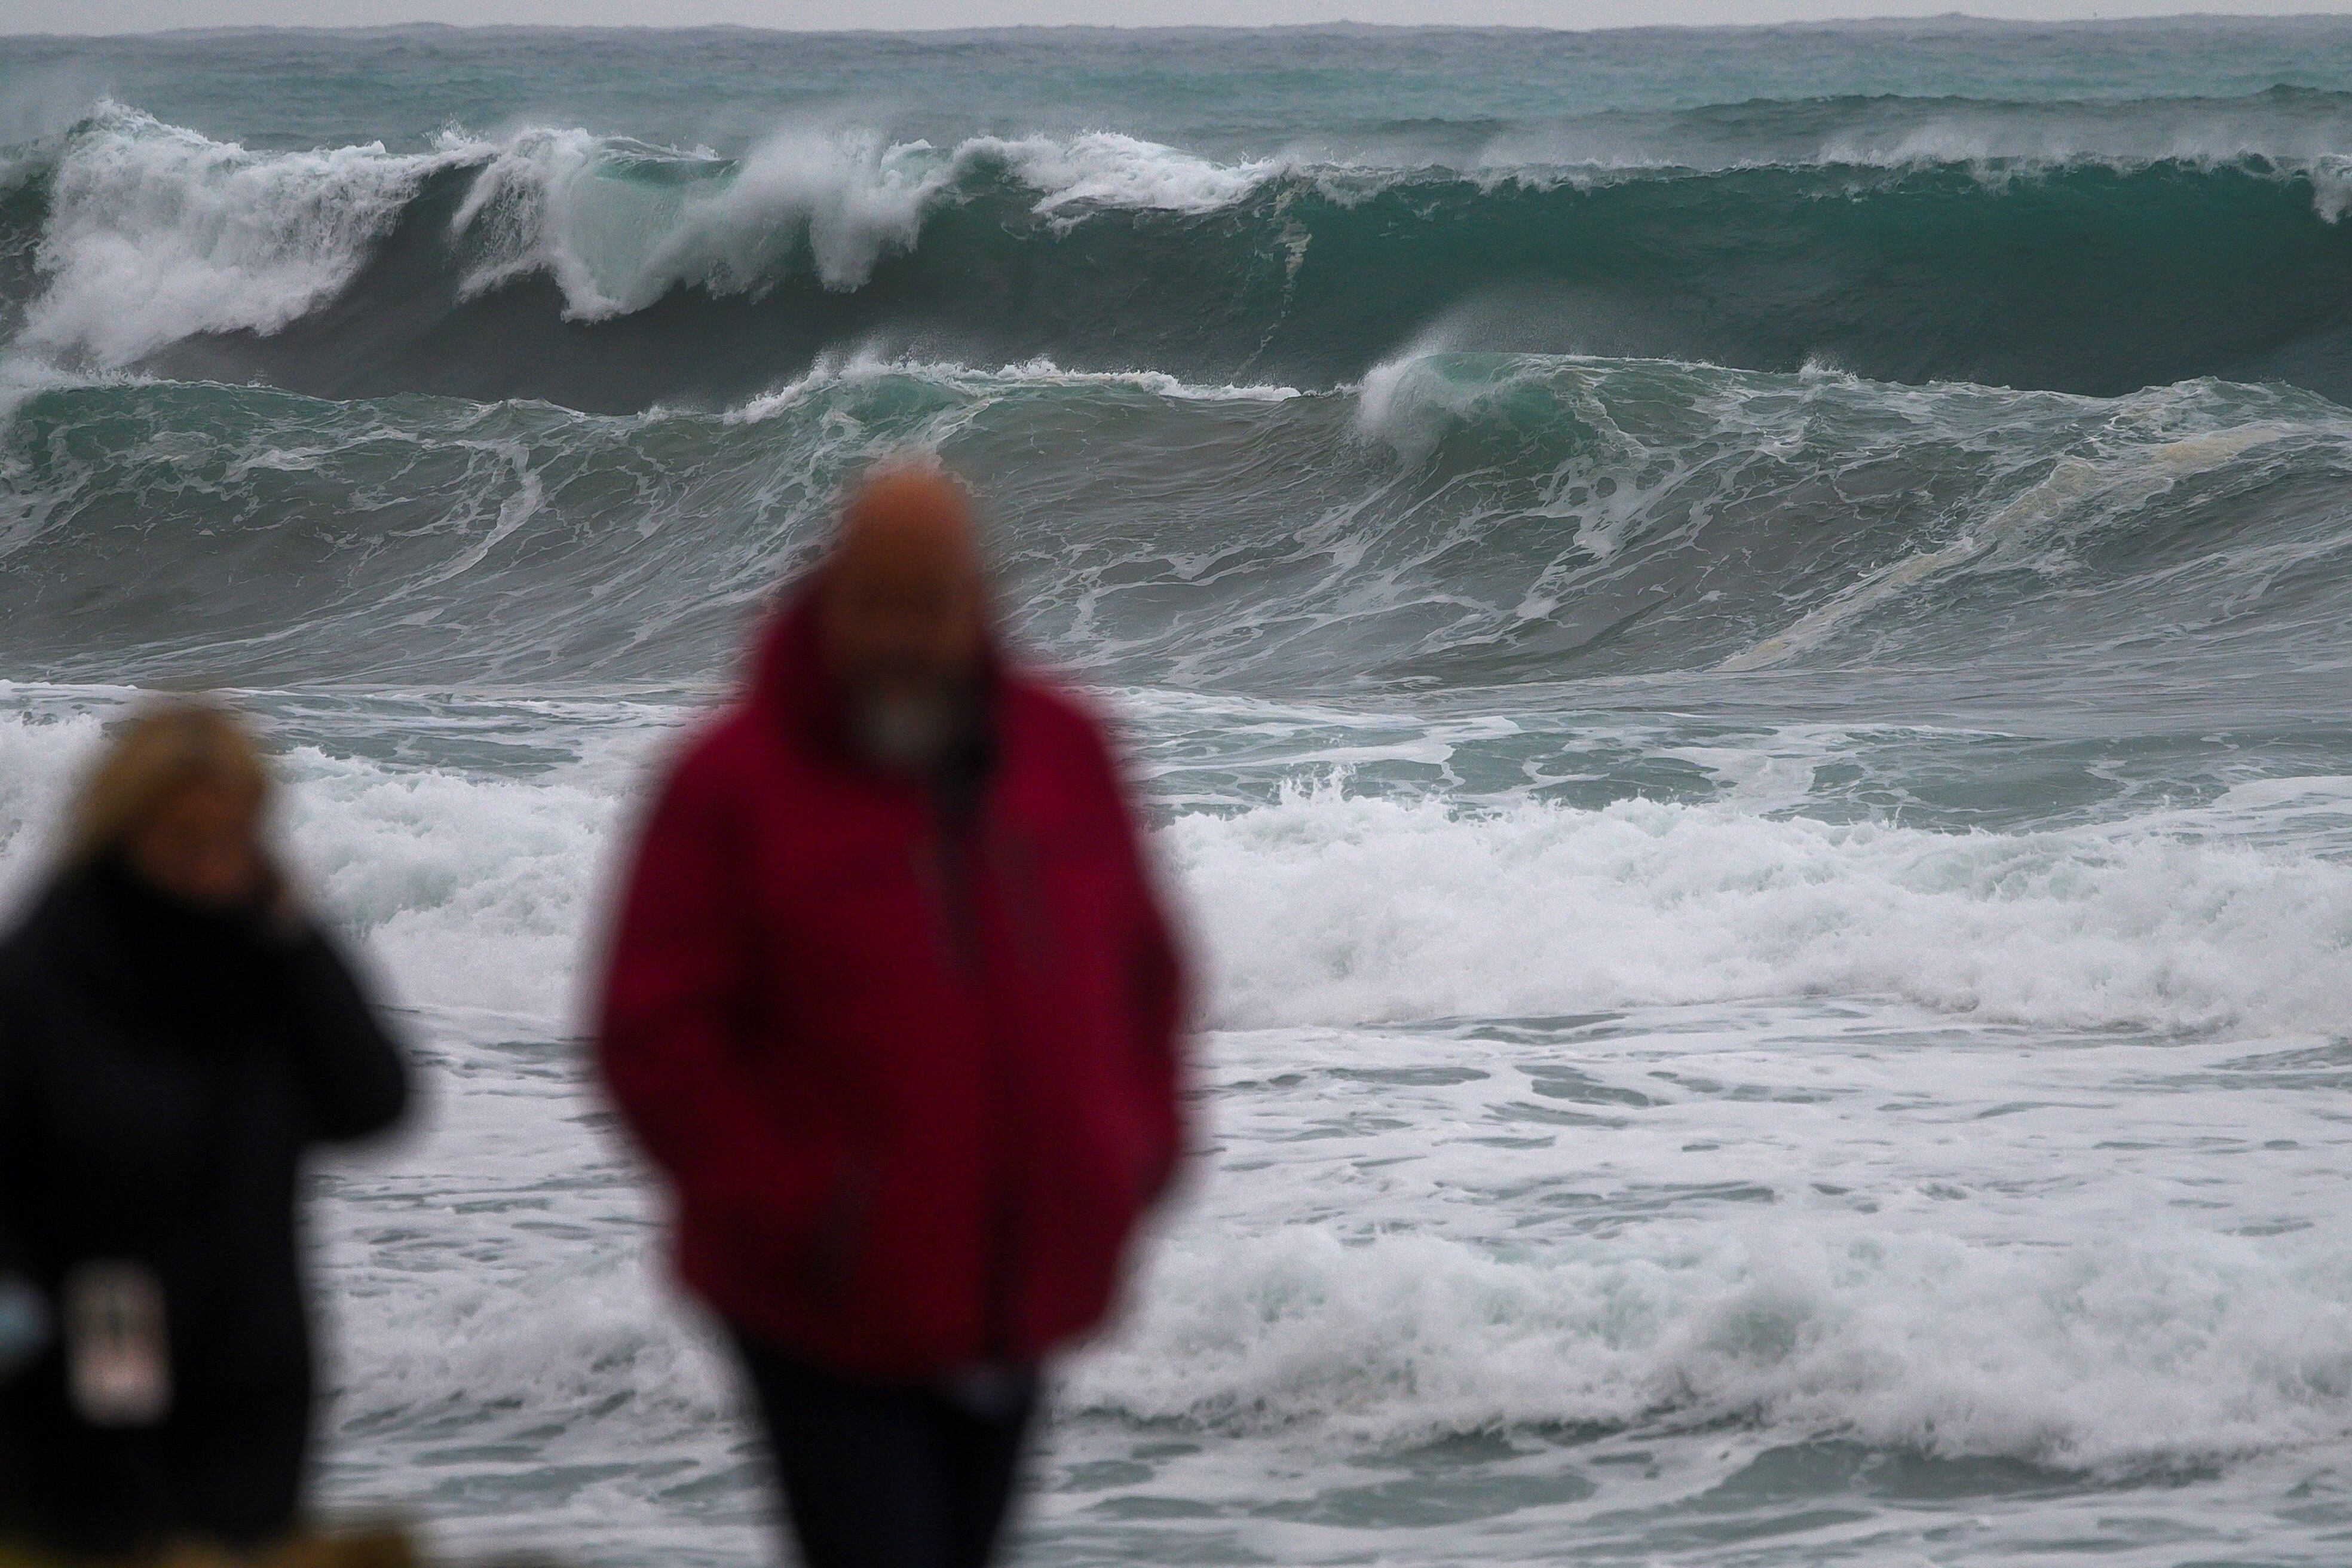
[{"x": 1735, "y": 642}]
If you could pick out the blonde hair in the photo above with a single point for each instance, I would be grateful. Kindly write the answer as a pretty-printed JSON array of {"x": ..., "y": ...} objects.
[{"x": 160, "y": 748}]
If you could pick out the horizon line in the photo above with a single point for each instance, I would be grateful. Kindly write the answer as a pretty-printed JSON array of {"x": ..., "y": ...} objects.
[{"x": 1792, "y": 24}]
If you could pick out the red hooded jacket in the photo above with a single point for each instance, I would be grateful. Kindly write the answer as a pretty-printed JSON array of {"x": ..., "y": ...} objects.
[{"x": 907, "y": 1130}]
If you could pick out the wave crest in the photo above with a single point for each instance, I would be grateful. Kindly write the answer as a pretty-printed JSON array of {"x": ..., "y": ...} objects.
[
  {"x": 1921, "y": 253},
  {"x": 156, "y": 233}
]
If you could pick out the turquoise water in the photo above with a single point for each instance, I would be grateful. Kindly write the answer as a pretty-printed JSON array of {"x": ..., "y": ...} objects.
[
  {"x": 1222, "y": 92},
  {"x": 1733, "y": 640}
]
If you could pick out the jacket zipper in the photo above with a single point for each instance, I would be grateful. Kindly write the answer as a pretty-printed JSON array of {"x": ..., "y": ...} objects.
[{"x": 962, "y": 856}]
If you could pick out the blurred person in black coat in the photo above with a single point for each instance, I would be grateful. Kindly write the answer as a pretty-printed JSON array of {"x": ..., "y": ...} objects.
[{"x": 175, "y": 1033}]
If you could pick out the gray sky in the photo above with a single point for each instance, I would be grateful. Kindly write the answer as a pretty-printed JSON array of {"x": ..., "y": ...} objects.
[{"x": 141, "y": 16}]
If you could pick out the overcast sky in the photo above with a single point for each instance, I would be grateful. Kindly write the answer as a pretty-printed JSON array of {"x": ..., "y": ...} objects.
[{"x": 141, "y": 15}]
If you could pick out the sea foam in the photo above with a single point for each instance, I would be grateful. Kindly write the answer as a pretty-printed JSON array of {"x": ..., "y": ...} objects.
[
  {"x": 1336, "y": 909},
  {"x": 618, "y": 224},
  {"x": 1333, "y": 907},
  {"x": 565, "y": 202},
  {"x": 199, "y": 236},
  {"x": 2120, "y": 1353},
  {"x": 156, "y": 233}
]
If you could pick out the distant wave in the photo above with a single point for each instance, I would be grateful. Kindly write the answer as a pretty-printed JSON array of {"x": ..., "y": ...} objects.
[
  {"x": 1918, "y": 242},
  {"x": 1453, "y": 521}
]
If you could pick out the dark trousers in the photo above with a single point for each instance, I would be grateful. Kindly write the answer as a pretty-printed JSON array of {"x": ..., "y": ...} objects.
[{"x": 889, "y": 1475}]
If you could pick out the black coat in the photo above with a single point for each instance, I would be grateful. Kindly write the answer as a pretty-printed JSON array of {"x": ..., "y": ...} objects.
[{"x": 161, "y": 1073}]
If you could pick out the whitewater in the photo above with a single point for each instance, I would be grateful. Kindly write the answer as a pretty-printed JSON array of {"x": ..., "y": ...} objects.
[{"x": 1734, "y": 643}]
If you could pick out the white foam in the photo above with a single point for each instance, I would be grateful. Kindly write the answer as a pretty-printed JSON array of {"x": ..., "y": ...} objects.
[
  {"x": 2117, "y": 1354},
  {"x": 472, "y": 891},
  {"x": 2151, "y": 1346},
  {"x": 1410, "y": 400},
  {"x": 156, "y": 233},
  {"x": 1327, "y": 907},
  {"x": 573, "y": 206},
  {"x": 40, "y": 756},
  {"x": 1104, "y": 168},
  {"x": 618, "y": 224},
  {"x": 832, "y": 371},
  {"x": 469, "y": 892},
  {"x": 546, "y": 1357}
]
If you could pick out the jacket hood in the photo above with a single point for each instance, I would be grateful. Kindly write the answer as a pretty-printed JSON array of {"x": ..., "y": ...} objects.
[
  {"x": 787, "y": 667},
  {"x": 788, "y": 676}
]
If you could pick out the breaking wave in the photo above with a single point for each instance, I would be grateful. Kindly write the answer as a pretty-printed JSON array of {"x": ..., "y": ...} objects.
[{"x": 2076, "y": 248}]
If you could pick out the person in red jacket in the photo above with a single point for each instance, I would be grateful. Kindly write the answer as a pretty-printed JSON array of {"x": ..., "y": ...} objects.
[{"x": 894, "y": 1006}]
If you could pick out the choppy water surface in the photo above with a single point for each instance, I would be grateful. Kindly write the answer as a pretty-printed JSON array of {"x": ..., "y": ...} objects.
[{"x": 1735, "y": 642}]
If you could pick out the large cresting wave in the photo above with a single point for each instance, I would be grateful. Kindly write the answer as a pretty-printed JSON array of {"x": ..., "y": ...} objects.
[{"x": 1929, "y": 241}]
